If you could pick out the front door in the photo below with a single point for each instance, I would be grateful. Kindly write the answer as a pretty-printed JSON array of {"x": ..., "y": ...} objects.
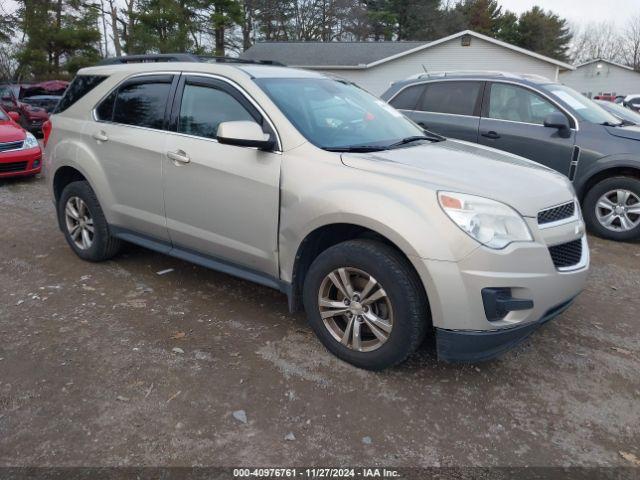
[
  {"x": 513, "y": 120},
  {"x": 221, "y": 201}
]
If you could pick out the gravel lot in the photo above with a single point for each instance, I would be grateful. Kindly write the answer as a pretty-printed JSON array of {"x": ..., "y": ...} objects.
[{"x": 112, "y": 364}]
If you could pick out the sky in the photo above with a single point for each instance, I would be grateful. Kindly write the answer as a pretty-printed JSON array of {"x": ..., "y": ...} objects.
[{"x": 581, "y": 11}]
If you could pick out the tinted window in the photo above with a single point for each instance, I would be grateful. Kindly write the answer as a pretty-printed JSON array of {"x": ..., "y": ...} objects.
[
  {"x": 77, "y": 89},
  {"x": 204, "y": 108},
  {"x": 459, "y": 98},
  {"x": 509, "y": 102},
  {"x": 408, "y": 98},
  {"x": 142, "y": 104},
  {"x": 104, "y": 111}
]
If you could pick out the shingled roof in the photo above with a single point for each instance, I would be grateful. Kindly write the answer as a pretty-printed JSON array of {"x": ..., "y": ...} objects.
[{"x": 326, "y": 54}]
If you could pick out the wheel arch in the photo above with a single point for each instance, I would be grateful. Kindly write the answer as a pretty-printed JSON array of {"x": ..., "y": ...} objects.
[
  {"x": 625, "y": 169},
  {"x": 326, "y": 236}
]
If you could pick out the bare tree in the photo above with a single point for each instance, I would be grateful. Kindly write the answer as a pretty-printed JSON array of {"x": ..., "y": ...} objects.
[
  {"x": 631, "y": 47},
  {"x": 596, "y": 40}
]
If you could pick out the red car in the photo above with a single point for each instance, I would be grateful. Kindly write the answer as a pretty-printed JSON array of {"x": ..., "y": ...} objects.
[
  {"x": 30, "y": 117},
  {"x": 20, "y": 152}
]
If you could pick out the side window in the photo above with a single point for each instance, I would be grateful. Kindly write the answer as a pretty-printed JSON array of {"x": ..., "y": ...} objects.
[
  {"x": 104, "y": 111},
  {"x": 459, "y": 98},
  {"x": 141, "y": 104},
  {"x": 408, "y": 98},
  {"x": 78, "y": 88},
  {"x": 517, "y": 104},
  {"x": 203, "y": 108}
]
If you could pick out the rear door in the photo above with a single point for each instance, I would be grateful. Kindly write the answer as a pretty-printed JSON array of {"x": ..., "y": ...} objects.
[
  {"x": 128, "y": 138},
  {"x": 513, "y": 120},
  {"x": 450, "y": 108}
]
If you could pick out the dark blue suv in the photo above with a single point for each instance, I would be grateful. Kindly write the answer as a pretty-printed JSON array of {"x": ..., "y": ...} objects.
[{"x": 545, "y": 122}]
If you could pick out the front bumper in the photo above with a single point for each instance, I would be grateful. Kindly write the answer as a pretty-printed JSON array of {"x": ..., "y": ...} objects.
[
  {"x": 20, "y": 163},
  {"x": 466, "y": 346},
  {"x": 464, "y": 328}
]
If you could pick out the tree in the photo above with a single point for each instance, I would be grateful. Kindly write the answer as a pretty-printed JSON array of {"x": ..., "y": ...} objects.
[
  {"x": 544, "y": 33},
  {"x": 482, "y": 16},
  {"x": 631, "y": 44},
  {"x": 69, "y": 42},
  {"x": 596, "y": 40}
]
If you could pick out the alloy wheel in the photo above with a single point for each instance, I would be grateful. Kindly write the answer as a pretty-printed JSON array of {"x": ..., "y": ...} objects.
[
  {"x": 618, "y": 210},
  {"x": 79, "y": 223},
  {"x": 355, "y": 309}
]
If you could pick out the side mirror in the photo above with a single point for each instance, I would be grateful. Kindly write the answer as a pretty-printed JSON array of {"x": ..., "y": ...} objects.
[
  {"x": 15, "y": 116},
  {"x": 557, "y": 120},
  {"x": 244, "y": 134}
]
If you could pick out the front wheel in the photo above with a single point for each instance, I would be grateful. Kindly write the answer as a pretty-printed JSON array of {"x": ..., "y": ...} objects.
[
  {"x": 366, "y": 304},
  {"x": 612, "y": 208}
]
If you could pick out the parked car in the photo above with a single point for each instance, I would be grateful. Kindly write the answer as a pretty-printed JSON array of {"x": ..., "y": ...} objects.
[
  {"x": 632, "y": 102},
  {"x": 310, "y": 185},
  {"x": 30, "y": 118},
  {"x": 625, "y": 114},
  {"x": 20, "y": 153},
  {"x": 48, "y": 102},
  {"x": 542, "y": 121}
]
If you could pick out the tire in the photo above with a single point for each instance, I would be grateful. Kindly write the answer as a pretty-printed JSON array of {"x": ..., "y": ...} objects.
[
  {"x": 103, "y": 245},
  {"x": 405, "y": 299},
  {"x": 591, "y": 209}
]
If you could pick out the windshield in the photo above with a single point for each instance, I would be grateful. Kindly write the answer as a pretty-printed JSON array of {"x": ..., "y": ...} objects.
[
  {"x": 585, "y": 108},
  {"x": 337, "y": 115},
  {"x": 621, "y": 112}
]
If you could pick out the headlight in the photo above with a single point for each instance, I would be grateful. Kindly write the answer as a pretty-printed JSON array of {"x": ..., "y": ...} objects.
[
  {"x": 30, "y": 141},
  {"x": 491, "y": 223}
]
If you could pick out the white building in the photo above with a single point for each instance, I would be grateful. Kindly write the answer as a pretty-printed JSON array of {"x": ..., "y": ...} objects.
[
  {"x": 598, "y": 77},
  {"x": 375, "y": 65}
]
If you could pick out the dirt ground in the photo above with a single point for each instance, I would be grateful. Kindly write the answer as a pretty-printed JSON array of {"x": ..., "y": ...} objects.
[{"x": 89, "y": 374}]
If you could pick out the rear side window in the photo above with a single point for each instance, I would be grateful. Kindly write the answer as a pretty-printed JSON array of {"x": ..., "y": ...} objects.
[
  {"x": 458, "y": 98},
  {"x": 141, "y": 104},
  {"x": 78, "y": 88},
  {"x": 408, "y": 98},
  {"x": 204, "y": 108}
]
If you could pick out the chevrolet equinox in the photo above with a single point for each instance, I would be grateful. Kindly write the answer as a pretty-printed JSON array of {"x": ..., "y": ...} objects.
[{"x": 381, "y": 231}]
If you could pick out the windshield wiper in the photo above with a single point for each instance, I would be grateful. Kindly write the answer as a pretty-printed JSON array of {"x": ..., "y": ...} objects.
[
  {"x": 355, "y": 149},
  {"x": 416, "y": 138},
  {"x": 609, "y": 124}
]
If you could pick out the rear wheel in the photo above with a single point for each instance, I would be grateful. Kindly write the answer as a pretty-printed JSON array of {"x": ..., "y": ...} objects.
[
  {"x": 612, "y": 208},
  {"x": 84, "y": 225},
  {"x": 366, "y": 304}
]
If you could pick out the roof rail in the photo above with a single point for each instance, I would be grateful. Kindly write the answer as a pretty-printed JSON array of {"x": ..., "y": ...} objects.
[
  {"x": 471, "y": 73},
  {"x": 181, "y": 57}
]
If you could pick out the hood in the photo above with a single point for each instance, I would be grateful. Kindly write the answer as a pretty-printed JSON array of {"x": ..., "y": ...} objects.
[
  {"x": 10, "y": 132},
  {"x": 631, "y": 132},
  {"x": 469, "y": 168}
]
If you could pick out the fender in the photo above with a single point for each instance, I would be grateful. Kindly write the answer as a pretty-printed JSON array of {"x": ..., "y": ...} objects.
[{"x": 610, "y": 162}]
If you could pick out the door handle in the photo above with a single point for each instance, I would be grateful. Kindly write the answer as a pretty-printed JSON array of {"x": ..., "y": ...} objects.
[
  {"x": 179, "y": 157},
  {"x": 492, "y": 135},
  {"x": 100, "y": 136}
]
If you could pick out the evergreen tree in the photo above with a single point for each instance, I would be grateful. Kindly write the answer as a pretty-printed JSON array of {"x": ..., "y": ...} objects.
[{"x": 544, "y": 33}]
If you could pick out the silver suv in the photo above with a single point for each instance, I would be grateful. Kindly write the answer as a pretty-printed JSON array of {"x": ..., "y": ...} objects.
[{"x": 381, "y": 231}]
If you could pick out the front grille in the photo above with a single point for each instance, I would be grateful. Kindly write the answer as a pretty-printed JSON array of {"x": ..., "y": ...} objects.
[
  {"x": 10, "y": 146},
  {"x": 566, "y": 254},
  {"x": 13, "y": 167},
  {"x": 556, "y": 213}
]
